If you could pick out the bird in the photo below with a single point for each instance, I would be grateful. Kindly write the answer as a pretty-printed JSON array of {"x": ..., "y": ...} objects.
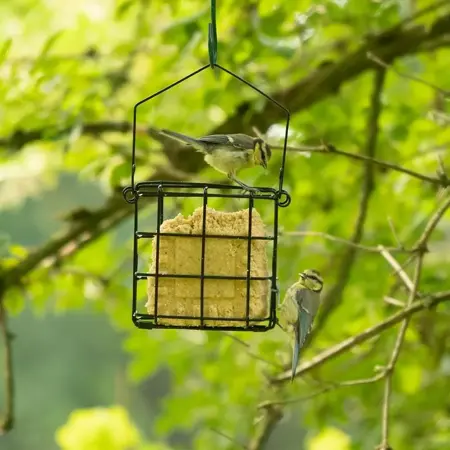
[
  {"x": 228, "y": 153},
  {"x": 298, "y": 309}
]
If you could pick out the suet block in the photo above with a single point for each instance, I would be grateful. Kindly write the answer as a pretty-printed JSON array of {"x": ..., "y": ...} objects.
[{"x": 223, "y": 256}]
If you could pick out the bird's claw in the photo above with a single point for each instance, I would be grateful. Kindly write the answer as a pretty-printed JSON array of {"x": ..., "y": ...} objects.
[{"x": 251, "y": 190}]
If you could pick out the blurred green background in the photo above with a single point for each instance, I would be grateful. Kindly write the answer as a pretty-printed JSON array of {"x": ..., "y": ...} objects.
[{"x": 70, "y": 74}]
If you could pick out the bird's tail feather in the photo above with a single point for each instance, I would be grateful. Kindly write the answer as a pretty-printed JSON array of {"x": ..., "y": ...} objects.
[{"x": 180, "y": 137}]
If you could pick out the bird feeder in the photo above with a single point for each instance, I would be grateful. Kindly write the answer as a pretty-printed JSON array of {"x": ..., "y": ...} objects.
[{"x": 211, "y": 270}]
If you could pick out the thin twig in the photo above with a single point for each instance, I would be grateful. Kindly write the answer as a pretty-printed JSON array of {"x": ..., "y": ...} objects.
[
  {"x": 397, "y": 267},
  {"x": 228, "y": 438},
  {"x": 249, "y": 351},
  {"x": 262, "y": 436},
  {"x": 422, "y": 12},
  {"x": 330, "y": 237},
  {"x": 385, "y": 65},
  {"x": 393, "y": 361},
  {"x": 394, "y": 233},
  {"x": 333, "y": 296},
  {"x": 272, "y": 414},
  {"x": 328, "y": 388},
  {"x": 7, "y": 421},
  {"x": 393, "y": 301},
  {"x": 331, "y": 149},
  {"x": 421, "y": 245}
]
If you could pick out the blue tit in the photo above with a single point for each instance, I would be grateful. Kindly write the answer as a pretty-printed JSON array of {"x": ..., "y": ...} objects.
[
  {"x": 299, "y": 307},
  {"x": 228, "y": 153}
]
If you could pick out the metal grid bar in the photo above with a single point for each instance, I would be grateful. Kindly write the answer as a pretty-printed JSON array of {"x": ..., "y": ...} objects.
[
  {"x": 274, "y": 287},
  {"x": 202, "y": 263},
  {"x": 249, "y": 257},
  {"x": 145, "y": 324},
  {"x": 135, "y": 258},
  {"x": 145, "y": 275},
  {"x": 149, "y": 235},
  {"x": 159, "y": 221},
  {"x": 198, "y": 195},
  {"x": 197, "y": 318}
]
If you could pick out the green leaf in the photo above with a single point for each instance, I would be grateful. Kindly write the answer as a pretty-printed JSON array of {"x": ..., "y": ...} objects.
[
  {"x": 49, "y": 44},
  {"x": 5, "y": 49}
]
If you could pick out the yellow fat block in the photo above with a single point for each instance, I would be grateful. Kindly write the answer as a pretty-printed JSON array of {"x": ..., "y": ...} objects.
[{"x": 227, "y": 257}]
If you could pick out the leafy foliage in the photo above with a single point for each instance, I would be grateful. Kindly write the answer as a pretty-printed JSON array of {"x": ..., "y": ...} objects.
[{"x": 70, "y": 74}]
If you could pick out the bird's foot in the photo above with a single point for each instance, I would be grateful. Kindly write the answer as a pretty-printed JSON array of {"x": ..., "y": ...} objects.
[
  {"x": 277, "y": 322},
  {"x": 251, "y": 190}
]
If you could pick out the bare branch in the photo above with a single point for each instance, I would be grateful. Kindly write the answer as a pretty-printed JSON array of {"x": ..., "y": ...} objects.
[
  {"x": 321, "y": 83},
  {"x": 324, "y": 73},
  {"x": 330, "y": 387},
  {"x": 271, "y": 416},
  {"x": 397, "y": 267},
  {"x": 394, "y": 301},
  {"x": 422, "y": 12},
  {"x": 394, "y": 233},
  {"x": 385, "y": 65},
  {"x": 395, "y": 354},
  {"x": 228, "y": 438},
  {"x": 80, "y": 234},
  {"x": 330, "y": 237},
  {"x": 421, "y": 245},
  {"x": 20, "y": 138},
  {"x": 347, "y": 344},
  {"x": 333, "y": 296},
  {"x": 249, "y": 351},
  {"x": 332, "y": 150}
]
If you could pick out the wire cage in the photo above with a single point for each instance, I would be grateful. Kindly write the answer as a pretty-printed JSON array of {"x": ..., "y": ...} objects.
[{"x": 203, "y": 309}]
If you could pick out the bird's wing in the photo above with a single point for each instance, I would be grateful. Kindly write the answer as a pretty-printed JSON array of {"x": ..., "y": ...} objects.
[
  {"x": 295, "y": 350},
  {"x": 307, "y": 309},
  {"x": 245, "y": 142}
]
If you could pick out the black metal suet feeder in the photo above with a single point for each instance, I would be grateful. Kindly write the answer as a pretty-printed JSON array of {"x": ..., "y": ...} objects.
[{"x": 158, "y": 191}]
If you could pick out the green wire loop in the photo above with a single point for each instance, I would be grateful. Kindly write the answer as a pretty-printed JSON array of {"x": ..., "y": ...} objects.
[{"x": 212, "y": 36}]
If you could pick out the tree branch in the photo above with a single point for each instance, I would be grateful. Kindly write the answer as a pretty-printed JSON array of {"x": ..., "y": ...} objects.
[
  {"x": 330, "y": 387},
  {"x": 272, "y": 414},
  {"x": 228, "y": 438},
  {"x": 330, "y": 237},
  {"x": 326, "y": 80},
  {"x": 323, "y": 82},
  {"x": 387, "y": 66},
  {"x": 412, "y": 308},
  {"x": 413, "y": 290},
  {"x": 333, "y": 297},
  {"x": 347, "y": 344},
  {"x": 393, "y": 361},
  {"x": 80, "y": 234},
  {"x": 330, "y": 149},
  {"x": 249, "y": 351},
  {"x": 397, "y": 267}
]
